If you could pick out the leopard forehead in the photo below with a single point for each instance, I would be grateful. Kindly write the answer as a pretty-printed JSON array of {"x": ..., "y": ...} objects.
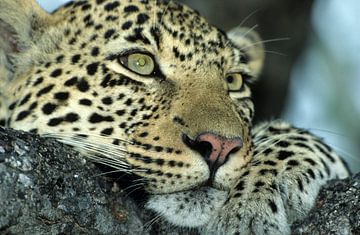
[{"x": 161, "y": 27}]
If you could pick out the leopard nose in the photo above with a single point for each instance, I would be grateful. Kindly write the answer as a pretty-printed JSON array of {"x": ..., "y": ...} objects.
[{"x": 215, "y": 149}]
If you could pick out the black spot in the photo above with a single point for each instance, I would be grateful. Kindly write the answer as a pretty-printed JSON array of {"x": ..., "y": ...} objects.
[
  {"x": 79, "y": 3},
  {"x": 240, "y": 186},
  {"x": 116, "y": 142},
  {"x": 299, "y": 138},
  {"x": 92, "y": 68},
  {"x": 62, "y": 96},
  {"x": 60, "y": 58},
  {"x": 128, "y": 102},
  {"x": 83, "y": 85},
  {"x": 45, "y": 90},
  {"x": 273, "y": 206},
  {"x": 142, "y": 18},
  {"x": 33, "y": 106},
  {"x": 133, "y": 112},
  {"x": 34, "y": 130},
  {"x": 111, "y": 6},
  {"x": 12, "y": 106},
  {"x": 259, "y": 184},
  {"x": 267, "y": 151},
  {"x": 38, "y": 81},
  {"x": 25, "y": 100},
  {"x": 302, "y": 145},
  {"x": 283, "y": 144},
  {"x": 176, "y": 52},
  {"x": 72, "y": 81},
  {"x": 300, "y": 185},
  {"x": 326, "y": 153},
  {"x": 72, "y": 117},
  {"x": 105, "y": 82},
  {"x": 55, "y": 121},
  {"x": 311, "y": 173},
  {"x": 107, "y": 131},
  {"x": 96, "y": 118},
  {"x": 85, "y": 7},
  {"x": 95, "y": 51},
  {"x": 268, "y": 171},
  {"x": 85, "y": 102},
  {"x": 245, "y": 174},
  {"x": 109, "y": 33},
  {"x": 136, "y": 37},
  {"x": 107, "y": 100},
  {"x": 111, "y": 18},
  {"x": 100, "y": 1},
  {"x": 56, "y": 73},
  {"x": 123, "y": 125},
  {"x": 120, "y": 112},
  {"x": 270, "y": 163},
  {"x": 75, "y": 59},
  {"x": 48, "y": 108},
  {"x": 155, "y": 32},
  {"x": 99, "y": 26},
  {"x": 22, "y": 115},
  {"x": 282, "y": 155},
  {"x": 159, "y": 162},
  {"x": 69, "y": 4},
  {"x": 131, "y": 8},
  {"x": 144, "y": 134},
  {"x": 293, "y": 163},
  {"x": 159, "y": 149},
  {"x": 327, "y": 169},
  {"x": 276, "y": 130},
  {"x": 126, "y": 25}
]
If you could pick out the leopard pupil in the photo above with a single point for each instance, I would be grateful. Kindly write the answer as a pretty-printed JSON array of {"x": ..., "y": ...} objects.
[{"x": 230, "y": 79}]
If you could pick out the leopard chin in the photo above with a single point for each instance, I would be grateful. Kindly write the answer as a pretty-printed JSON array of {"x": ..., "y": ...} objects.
[{"x": 191, "y": 208}]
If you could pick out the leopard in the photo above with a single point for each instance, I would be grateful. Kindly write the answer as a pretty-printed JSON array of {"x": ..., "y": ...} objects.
[{"x": 151, "y": 89}]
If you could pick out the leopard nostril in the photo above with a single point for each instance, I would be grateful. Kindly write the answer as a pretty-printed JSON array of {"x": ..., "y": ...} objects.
[{"x": 215, "y": 149}]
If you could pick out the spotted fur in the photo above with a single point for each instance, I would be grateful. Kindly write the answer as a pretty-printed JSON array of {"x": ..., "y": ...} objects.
[{"x": 61, "y": 76}]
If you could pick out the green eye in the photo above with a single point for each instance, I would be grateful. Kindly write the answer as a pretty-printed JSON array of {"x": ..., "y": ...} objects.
[
  {"x": 139, "y": 63},
  {"x": 234, "y": 82}
]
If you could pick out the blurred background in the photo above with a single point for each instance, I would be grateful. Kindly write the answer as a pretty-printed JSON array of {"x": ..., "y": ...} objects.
[{"x": 311, "y": 76}]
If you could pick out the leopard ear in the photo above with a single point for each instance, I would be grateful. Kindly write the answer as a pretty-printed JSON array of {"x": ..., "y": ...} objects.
[
  {"x": 21, "y": 23},
  {"x": 249, "y": 42}
]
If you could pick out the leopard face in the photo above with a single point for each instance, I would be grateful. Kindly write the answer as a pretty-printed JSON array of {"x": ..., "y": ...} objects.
[{"x": 148, "y": 87}]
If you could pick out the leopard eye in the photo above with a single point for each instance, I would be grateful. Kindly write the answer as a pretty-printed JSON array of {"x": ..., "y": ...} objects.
[
  {"x": 234, "y": 82},
  {"x": 142, "y": 64}
]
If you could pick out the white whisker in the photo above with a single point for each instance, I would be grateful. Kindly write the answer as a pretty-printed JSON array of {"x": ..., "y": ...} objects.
[
  {"x": 166, "y": 8},
  {"x": 248, "y": 17},
  {"x": 265, "y": 41},
  {"x": 275, "y": 53},
  {"x": 250, "y": 30},
  {"x": 148, "y": 224}
]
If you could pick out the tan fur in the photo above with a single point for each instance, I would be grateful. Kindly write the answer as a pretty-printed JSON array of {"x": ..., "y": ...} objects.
[{"x": 66, "y": 76}]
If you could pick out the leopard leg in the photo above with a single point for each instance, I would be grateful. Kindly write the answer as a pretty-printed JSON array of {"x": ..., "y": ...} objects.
[{"x": 280, "y": 184}]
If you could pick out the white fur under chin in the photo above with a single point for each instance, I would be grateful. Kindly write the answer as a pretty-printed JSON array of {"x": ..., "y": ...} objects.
[{"x": 189, "y": 208}]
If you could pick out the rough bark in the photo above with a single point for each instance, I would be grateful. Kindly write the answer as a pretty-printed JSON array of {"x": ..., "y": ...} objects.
[{"x": 48, "y": 188}]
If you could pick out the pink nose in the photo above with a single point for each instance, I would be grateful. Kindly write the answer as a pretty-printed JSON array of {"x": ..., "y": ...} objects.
[
  {"x": 221, "y": 147},
  {"x": 215, "y": 149}
]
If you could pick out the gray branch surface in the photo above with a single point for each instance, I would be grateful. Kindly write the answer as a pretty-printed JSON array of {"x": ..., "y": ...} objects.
[{"x": 48, "y": 188}]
